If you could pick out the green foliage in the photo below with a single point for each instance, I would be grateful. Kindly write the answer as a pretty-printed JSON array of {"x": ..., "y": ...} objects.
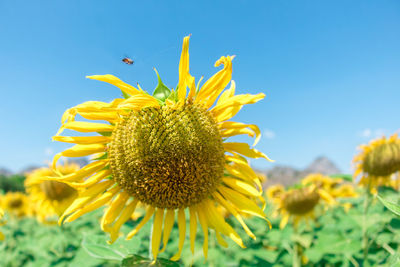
[
  {"x": 335, "y": 239},
  {"x": 12, "y": 183},
  {"x": 393, "y": 207}
]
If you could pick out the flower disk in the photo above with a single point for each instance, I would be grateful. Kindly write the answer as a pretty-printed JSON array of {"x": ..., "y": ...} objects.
[
  {"x": 168, "y": 157},
  {"x": 56, "y": 190},
  {"x": 300, "y": 201},
  {"x": 383, "y": 160}
]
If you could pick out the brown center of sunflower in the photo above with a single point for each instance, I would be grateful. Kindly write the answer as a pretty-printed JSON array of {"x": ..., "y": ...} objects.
[
  {"x": 168, "y": 157},
  {"x": 383, "y": 160},
  {"x": 15, "y": 202},
  {"x": 300, "y": 201},
  {"x": 56, "y": 190}
]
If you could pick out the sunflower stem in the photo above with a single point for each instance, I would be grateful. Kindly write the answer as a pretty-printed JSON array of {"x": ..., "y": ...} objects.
[
  {"x": 365, "y": 239},
  {"x": 296, "y": 250}
]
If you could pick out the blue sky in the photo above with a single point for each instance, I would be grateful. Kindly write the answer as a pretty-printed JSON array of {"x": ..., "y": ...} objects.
[{"x": 329, "y": 69}]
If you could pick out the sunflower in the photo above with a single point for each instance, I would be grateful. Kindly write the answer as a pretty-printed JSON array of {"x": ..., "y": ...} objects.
[
  {"x": 50, "y": 198},
  {"x": 378, "y": 163},
  {"x": 2, "y": 237},
  {"x": 16, "y": 203},
  {"x": 300, "y": 203},
  {"x": 167, "y": 151},
  {"x": 331, "y": 188}
]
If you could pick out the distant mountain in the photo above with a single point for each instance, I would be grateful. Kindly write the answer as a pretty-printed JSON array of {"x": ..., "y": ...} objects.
[
  {"x": 287, "y": 175},
  {"x": 5, "y": 172}
]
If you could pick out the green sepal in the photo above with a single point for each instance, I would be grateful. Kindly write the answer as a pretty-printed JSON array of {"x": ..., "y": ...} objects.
[
  {"x": 173, "y": 96},
  {"x": 161, "y": 92},
  {"x": 137, "y": 260},
  {"x": 105, "y": 133},
  {"x": 125, "y": 95},
  {"x": 105, "y": 156}
]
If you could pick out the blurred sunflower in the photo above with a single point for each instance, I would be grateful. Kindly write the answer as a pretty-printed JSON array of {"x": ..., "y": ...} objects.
[
  {"x": 300, "y": 203},
  {"x": 16, "y": 204},
  {"x": 50, "y": 198},
  {"x": 1, "y": 223},
  {"x": 378, "y": 163},
  {"x": 167, "y": 151},
  {"x": 274, "y": 192},
  {"x": 331, "y": 188}
]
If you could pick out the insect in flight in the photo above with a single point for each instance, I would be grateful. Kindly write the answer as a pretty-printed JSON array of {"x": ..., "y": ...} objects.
[{"x": 128, "y": 60}]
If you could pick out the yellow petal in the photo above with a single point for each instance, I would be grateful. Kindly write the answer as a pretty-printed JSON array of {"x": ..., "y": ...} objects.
[
  {"x": 113, "y": 210},
  {"x": 204, "y": 227},
  {"x": 182, "y": 233},
  {"x": 183, "y": 70},
  {"x": 149, "y": 213},
  {"x": 232, "y": 210},
  {"x": 216, "y": 84},
  {"x": 284, "y": 221},
  {"x": 241, "y": 202},
  {"x": 238, "y": 100},
  {"x": 230, "y": 128},
  {"x": 218, "y": 222},
  {"x": 192, "y": 85},
  {"x": 85, "y": 197},
  {"x": 139, "y": 101},
  {"x": 157, "y": 229},
  {"x": 193, "y": 227},
  {"x": 227, "y": 94},
  {"x": 82, "y": 173},
  {"x": 106, "y": 116},
  {"x": 83, "y": 140},
  {"x": 88, "y": 127},
  {"x": 92, "y": 180},
  {"x": 79, "y": 151},
  {"x": 127, "y": 88},
  {"x": 125, "y": 216},
  {"x": 221, "y": 240},
  {"x": 245, "y": 150},
  {"x": 168, "y": 224},
  {"x": 99, "y": 202},
  {"x": 241, "y": 187}
]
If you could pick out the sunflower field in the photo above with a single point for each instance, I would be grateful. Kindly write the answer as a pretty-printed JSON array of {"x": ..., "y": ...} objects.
[
  {"x": 333, "y": 238},
  {"x": 167, "y": 186}
]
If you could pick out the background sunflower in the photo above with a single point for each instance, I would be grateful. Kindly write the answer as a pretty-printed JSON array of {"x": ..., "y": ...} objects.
[{"x": 50, "y": 198}]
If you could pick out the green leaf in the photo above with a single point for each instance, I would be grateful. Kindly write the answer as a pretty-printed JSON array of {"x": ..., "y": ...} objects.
[
  {"x": 161, "y": 92},
  {"x": 347, "y": 177},
  {"x": 97, "y": 247},
  {"x": 304, "y": 240},
  {"x": 137, "y": 260},
  {"x": 391, "y": 206}
]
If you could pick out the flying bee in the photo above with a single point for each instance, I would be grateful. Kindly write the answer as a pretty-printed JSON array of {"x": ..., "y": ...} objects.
[{"x": 128, "y": 61}]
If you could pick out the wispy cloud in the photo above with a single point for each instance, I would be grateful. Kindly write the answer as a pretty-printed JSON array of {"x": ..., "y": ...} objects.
[
  {"x": 373, "y": 133},
  {"x": 269, "y": 134}
]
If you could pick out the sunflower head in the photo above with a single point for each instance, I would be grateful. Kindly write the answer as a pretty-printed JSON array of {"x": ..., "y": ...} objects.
[
  {"x": 167, "y": 152},
  {"x": 49, "y": 196},
  {"x": 300, "y": 201},
  {"x": 378, "y": 161},
  {"x": 168, "y": 157},
  {"x": 275, "y": 192},
  {"x": 16, "y": 203}
]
